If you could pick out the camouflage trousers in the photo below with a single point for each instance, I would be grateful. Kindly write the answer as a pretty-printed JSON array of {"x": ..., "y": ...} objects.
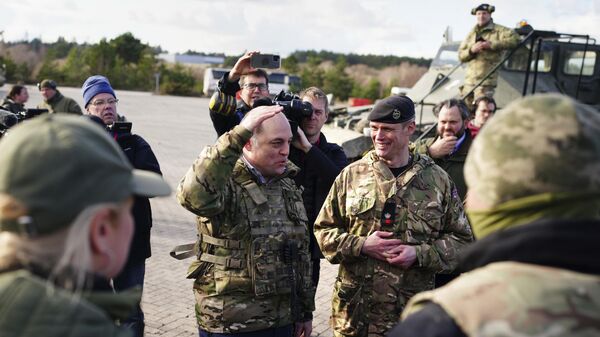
[{"x": 484, "y": 90}]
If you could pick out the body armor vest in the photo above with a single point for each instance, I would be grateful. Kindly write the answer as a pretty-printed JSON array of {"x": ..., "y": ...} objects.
[{"x": 267, "y": 251}]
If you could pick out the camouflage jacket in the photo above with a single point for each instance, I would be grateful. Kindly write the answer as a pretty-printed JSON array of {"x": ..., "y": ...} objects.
[
  {"x": 518, "y": 299},
  {"x": 370, "y": 294},
  {"x": 31, "y": 307},
  {"x": 501, "y": 39},
  {"x": 61, "y": 103},
  {"x": 247, "y": 277},
  {"x": 453, "y": 164}
]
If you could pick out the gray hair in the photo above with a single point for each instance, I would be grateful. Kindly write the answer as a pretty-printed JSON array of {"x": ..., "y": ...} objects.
[{"x": 66, "y": 254}]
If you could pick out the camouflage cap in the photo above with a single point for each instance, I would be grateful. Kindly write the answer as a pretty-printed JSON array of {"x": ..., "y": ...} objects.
[
  {"x": 54, "y": 166},
  {"x": 483, "y": 7},
  {"x": 540, "y": 144},
  {"x": 393, "y": 110}
]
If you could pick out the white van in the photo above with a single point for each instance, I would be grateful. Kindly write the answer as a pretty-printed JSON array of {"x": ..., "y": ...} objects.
[
  {"x": 211, "y": 78},
  {"x": 281, "y": 81}
]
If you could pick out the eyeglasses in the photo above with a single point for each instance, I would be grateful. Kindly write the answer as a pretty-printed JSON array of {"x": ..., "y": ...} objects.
[
  {"x": 101, "y": 102},
  {"x": 252, "y": 86}
]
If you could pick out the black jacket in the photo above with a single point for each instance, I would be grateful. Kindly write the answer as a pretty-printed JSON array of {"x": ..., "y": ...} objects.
[
  {"x": 318, "y": 169},
  {"x": 140, "y": 155},
  {"x": 12, "y": 106},
  {"x": 570, "y": 245},
  {"x": 223, "y": 123}
]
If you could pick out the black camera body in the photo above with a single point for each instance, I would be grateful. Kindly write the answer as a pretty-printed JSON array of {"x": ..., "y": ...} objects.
[
  {"x": 294, "y": 109},
  {"x": 119, "y": 128},
  {"x": 30, "y": 113},
  {"x": 9, "y": 119}
]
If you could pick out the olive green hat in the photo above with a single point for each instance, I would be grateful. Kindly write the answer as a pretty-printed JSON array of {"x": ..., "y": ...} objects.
[
  {"x": 47, "y": 83},
  {"x": 540, "y": 144},
  {"x": 54, "y": 166}
]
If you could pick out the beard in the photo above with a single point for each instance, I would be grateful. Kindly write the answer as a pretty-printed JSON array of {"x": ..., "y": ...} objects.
[{"x": 458, "y": 134}]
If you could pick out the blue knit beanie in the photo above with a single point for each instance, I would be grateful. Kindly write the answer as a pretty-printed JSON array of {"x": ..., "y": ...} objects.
[{"x": 95, "y": 85}]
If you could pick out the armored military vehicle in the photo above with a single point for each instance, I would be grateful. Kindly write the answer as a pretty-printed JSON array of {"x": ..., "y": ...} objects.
[{"x": 544, "y": 61}]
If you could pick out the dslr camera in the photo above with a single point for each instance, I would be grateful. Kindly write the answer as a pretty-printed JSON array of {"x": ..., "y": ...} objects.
[
  {"x": 9, "y": 119},
  {"x": 294, "y": 109}
]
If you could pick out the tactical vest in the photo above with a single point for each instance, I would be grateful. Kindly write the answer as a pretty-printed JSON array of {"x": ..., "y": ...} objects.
[
  {"x": 267, "y": 251},
  {"x": 517, "y": 299}
]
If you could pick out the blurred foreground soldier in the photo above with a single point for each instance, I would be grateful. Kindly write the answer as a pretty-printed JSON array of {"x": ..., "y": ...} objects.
[
  {"x": 225, "y": 112},
  {"x": 484, "y": 108},
  {"x": 253, "y": 272},
  {"x": 63, "y": 232},
  {"x": 100, "y": 101},
  {"x": 450, "y": 147},
  {"x": 534, "y": 205},
  {"x": 392, "y": 220},
  {"x": 482, "y": 49},
  {"x": 54, "y": 101},
  {"x": 319, "y": 162},
  {"x": 16, "y": 99}
]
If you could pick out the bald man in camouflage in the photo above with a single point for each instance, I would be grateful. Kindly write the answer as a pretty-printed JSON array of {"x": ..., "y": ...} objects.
[
  {"x": 534, "y": 205},
  {"x": 482, "y": 49},
  {"x": 253, "y": 268}
]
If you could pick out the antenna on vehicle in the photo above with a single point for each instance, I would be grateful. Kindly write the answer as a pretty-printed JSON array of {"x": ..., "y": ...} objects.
[{"x": 448, "y": 34}]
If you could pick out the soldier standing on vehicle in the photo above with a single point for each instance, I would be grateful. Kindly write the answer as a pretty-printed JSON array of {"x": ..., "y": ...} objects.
[
  {"x": 225, "y": 111},
  {"x": 450, "y": 147},
  {"x": 482, "y": 49},
  {"x": 253, "y": 270},
  {"x": 54, "y": 100},
  {"x": 16, "y": 99},
  {"x": 392, "y": 220},
  {"x": 533, "y": 201}
]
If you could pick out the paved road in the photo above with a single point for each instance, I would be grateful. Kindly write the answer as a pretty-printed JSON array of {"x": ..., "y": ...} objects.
[{"x": 178, "y": 128}]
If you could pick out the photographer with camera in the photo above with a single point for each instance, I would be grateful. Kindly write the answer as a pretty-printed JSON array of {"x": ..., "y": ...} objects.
[
  {"x": 225, "y": 112},
  {"x": 100, "y": 101},
  {"x": 319, "y": 161},
  {"x": 16, "y": 99}
]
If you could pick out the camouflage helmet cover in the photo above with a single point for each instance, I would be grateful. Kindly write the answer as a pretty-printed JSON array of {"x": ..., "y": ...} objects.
[{"x": 540, "y": 144}]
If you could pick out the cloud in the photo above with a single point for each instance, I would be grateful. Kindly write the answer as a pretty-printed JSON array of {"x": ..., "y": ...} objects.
[{"x": 412, "y": 28}]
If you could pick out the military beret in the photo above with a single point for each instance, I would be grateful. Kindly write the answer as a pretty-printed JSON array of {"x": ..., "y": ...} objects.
[
  {"x": 483, "y": 7},
  {"x": 393, "y": 110}
]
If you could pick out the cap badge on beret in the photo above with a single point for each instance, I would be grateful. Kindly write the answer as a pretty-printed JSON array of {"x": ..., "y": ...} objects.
[{"x": 396, "y": 114}]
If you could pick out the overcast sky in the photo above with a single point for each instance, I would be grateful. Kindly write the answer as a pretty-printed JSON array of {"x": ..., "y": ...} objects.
[{"x": 396, "y": 27}]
